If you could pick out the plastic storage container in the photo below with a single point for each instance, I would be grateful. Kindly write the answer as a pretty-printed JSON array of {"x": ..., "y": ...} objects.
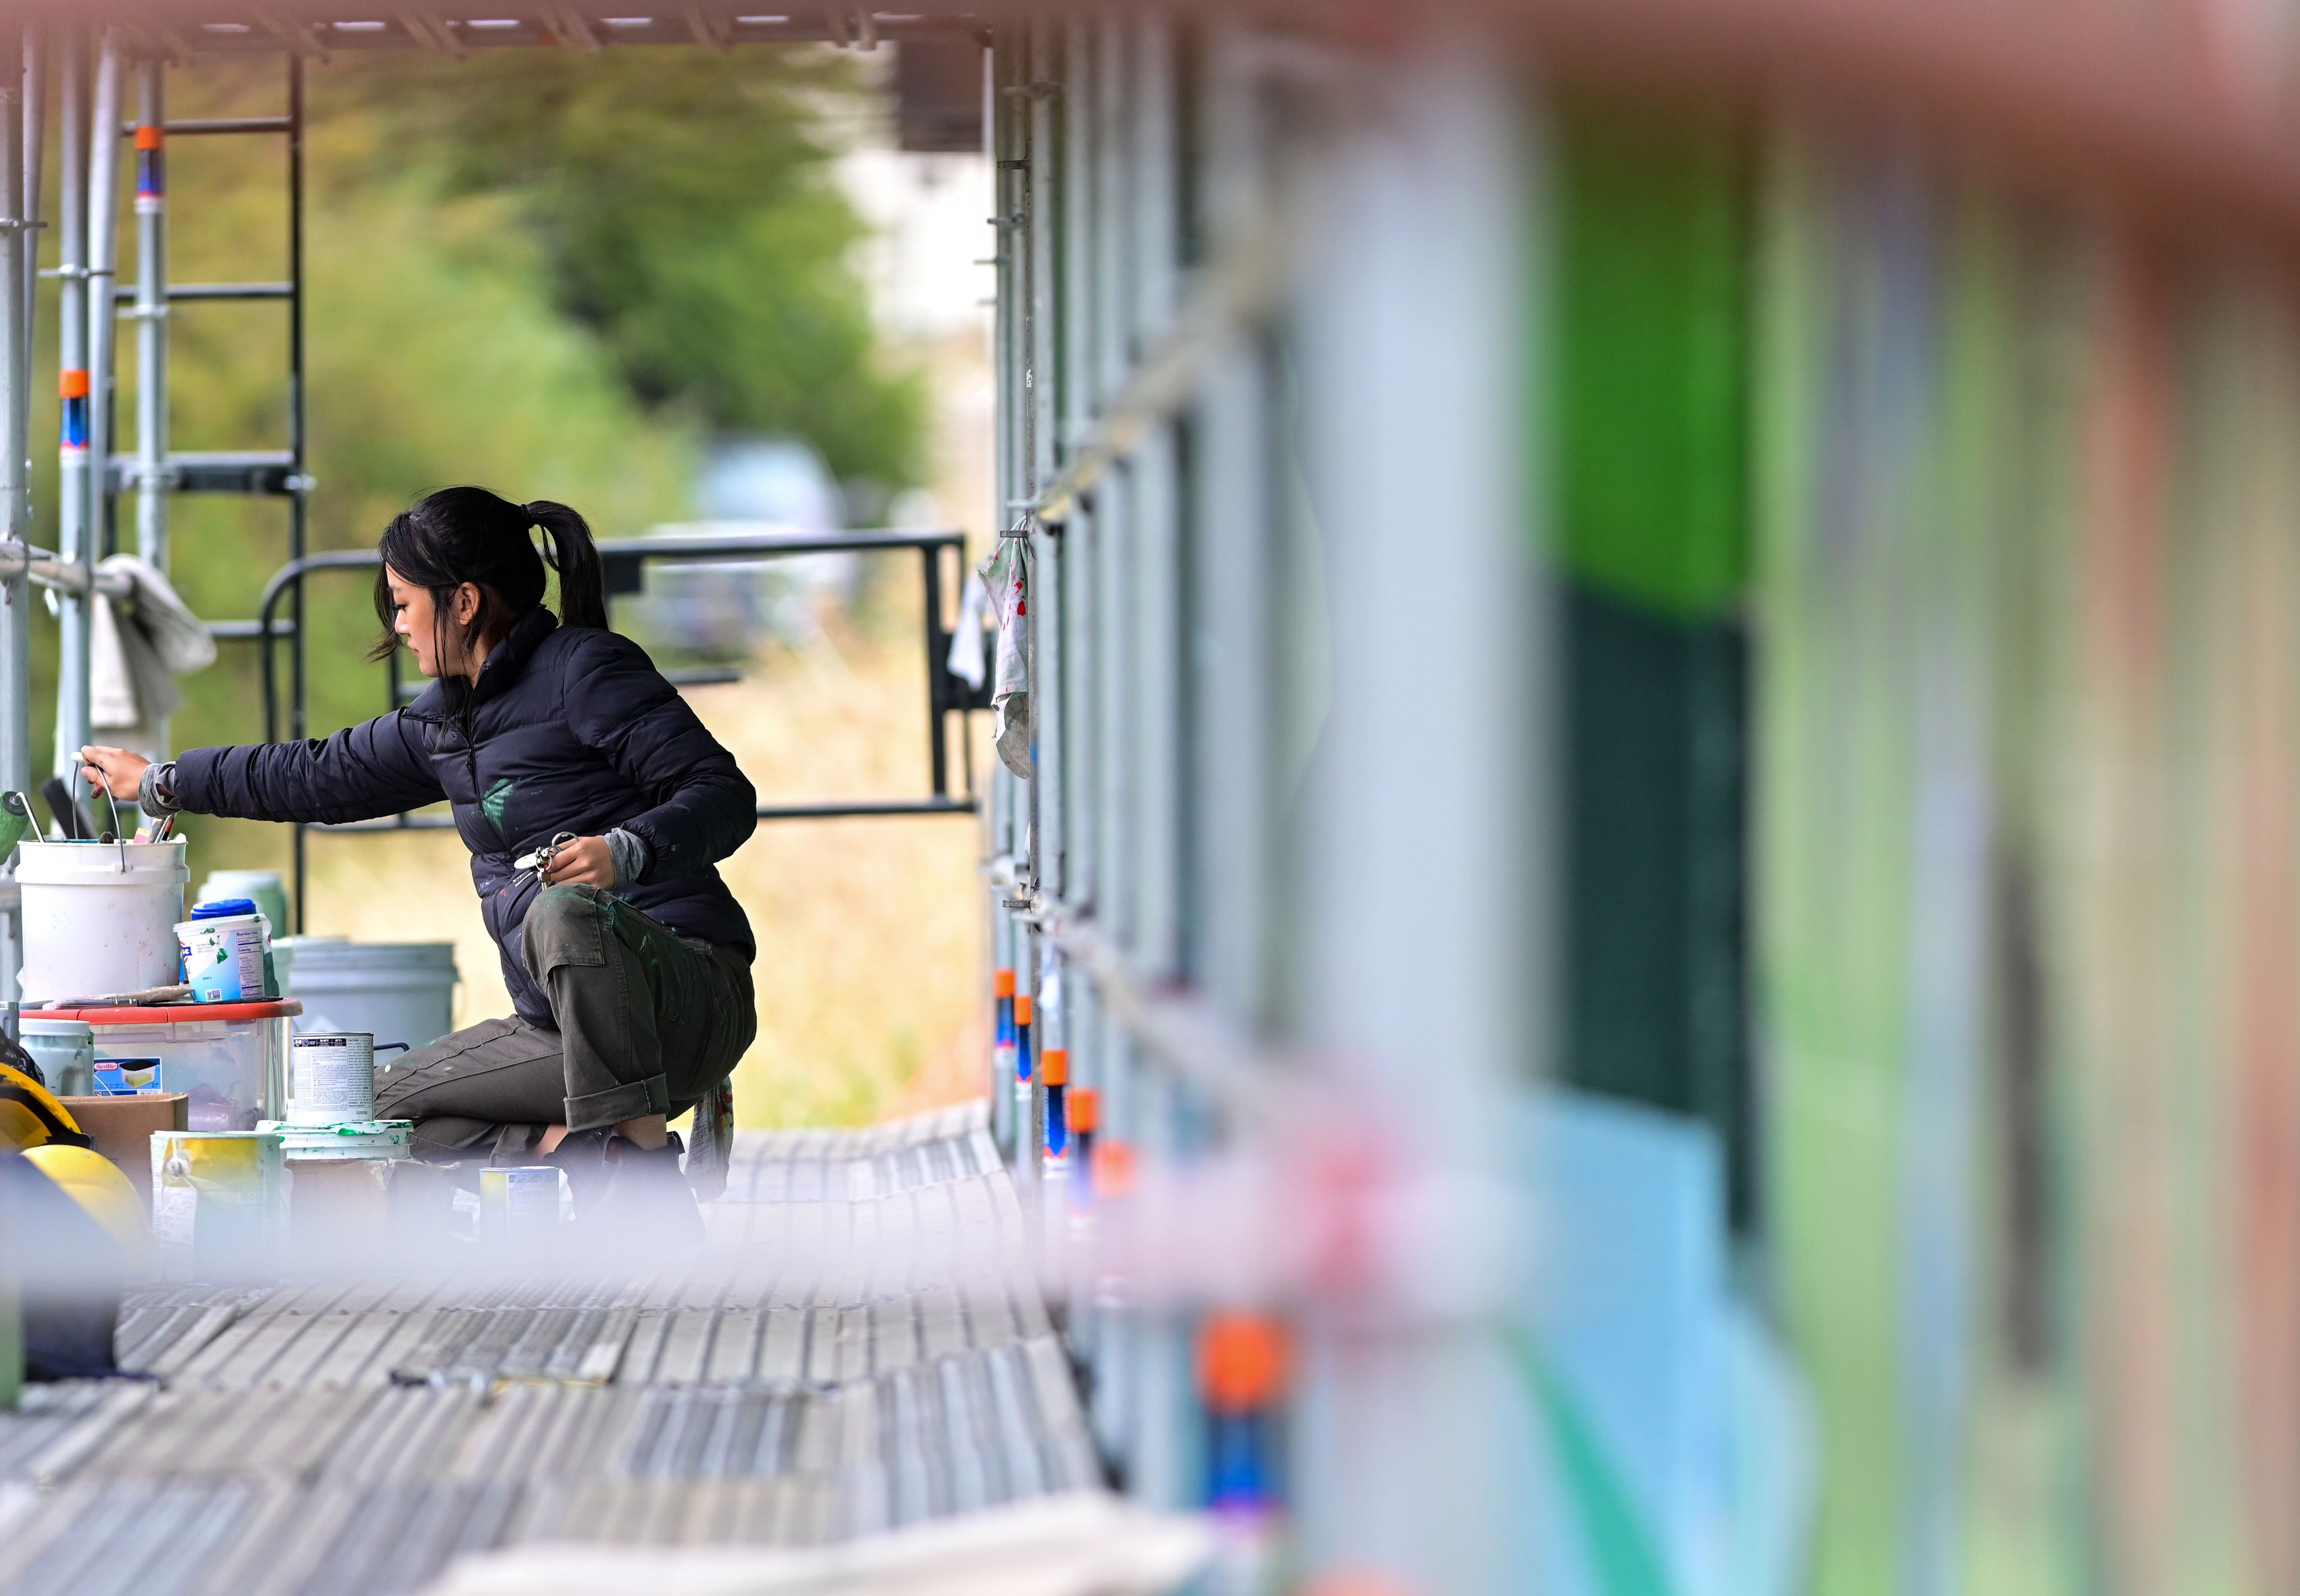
[
  {"x": 230, "y": 1058},
  {"x": 100, "y": 918},
  {"x": 65, "y": 1051},
  {"x": 396, "y": 991}
]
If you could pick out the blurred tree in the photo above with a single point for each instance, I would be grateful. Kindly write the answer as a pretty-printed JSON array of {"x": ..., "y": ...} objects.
[{"x": 685, "y": 206}]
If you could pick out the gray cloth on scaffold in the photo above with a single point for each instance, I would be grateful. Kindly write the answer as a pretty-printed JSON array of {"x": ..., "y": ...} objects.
[
  {"x": 137, "y": 646},
  {"x": 1006, "y": 576}
]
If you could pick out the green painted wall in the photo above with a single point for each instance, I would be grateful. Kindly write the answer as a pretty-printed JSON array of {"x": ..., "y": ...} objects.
[{"x": 1651, "y": 535}]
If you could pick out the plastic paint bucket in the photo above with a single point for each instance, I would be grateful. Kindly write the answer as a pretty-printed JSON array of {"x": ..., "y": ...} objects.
[
  {"x": 227, "y": 958},
  {"x": 519, "y": 1205},
  {"x": 332, "y": 1079},
  {"x": 396, "y": 992},
  {"x": 65, "y": 1051},
  {"x": 100, "y": 918},
  {"x": 219, "y": 1204}
]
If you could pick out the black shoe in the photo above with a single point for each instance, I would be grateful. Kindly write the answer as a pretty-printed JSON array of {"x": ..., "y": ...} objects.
[
  {"x": 581, "y": 1156},
  {"x": 647, "y": 1198}
]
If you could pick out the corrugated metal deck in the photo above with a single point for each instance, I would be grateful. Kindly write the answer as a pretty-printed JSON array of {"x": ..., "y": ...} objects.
[{"x": 863, "y": 1348}]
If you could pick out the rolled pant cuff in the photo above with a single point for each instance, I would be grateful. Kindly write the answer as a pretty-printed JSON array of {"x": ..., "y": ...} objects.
[{"x": 618, "y": 1104}]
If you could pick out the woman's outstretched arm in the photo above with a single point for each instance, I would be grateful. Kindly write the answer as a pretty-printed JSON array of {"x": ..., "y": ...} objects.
[{"x": 376, "y": 767}]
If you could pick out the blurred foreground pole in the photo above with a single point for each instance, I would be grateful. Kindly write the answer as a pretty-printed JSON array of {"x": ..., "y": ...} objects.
[{"x": 1426, "y": 837}]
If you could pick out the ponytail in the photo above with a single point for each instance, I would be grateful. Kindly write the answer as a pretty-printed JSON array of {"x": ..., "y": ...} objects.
[
  {"x": 567, "y": 549},
  {"x": 461, "y": 535}
]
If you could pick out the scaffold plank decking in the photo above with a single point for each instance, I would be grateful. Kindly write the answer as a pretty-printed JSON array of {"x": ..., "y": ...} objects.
[{"x": 862, "y": 1349}]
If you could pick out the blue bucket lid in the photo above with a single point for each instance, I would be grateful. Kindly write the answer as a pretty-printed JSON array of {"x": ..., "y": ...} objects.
[{"x": 223, "y": 909}]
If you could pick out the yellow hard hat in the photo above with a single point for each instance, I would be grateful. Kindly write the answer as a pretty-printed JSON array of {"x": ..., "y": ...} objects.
[{"x": 96, "y": 1183}]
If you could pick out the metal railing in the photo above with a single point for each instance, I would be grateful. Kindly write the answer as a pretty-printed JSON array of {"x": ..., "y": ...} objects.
[{"x": 626, "y": 559}]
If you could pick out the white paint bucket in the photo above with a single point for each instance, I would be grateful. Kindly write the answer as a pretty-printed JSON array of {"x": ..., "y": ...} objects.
[
  {"x": 332, "y": 1079},
  {"x": 224, "y": 959},
  {"x": 100, "y": 918},
  {"x": 398, "y": 991}
]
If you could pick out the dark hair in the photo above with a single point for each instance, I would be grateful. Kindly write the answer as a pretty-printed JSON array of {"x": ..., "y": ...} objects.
[{"x": 461, "y": 535}]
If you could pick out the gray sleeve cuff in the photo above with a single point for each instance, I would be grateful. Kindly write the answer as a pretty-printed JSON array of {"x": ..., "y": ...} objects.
[
  {"x": 630, "y": 856},
  {"x": 155, "y": 794}
]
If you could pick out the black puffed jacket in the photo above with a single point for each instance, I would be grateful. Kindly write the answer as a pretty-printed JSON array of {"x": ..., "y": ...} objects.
[{"x": 568, "y": 729}]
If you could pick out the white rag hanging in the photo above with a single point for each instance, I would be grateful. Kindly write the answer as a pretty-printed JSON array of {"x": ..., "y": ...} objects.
[
  {"x": 966, "y": 660},
  {"x": 1004, "y": 576},
  {"x": 136, "y": 648}
]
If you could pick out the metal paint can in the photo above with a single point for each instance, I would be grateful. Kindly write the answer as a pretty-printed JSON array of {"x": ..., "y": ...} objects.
[
  {"x": 219, "y": 1204},
  {"x": 332, "y": 1079},
  {"x": 520, "y": 1206}
]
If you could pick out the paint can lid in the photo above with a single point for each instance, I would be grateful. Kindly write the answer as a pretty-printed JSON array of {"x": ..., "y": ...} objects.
[
  {"x": 219, "y": 909},
  {"x": 350, "y": 1139}
]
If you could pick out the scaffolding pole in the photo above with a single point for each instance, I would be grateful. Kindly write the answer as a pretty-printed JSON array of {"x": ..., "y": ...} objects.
[
  {"x": 75, "y": 477},
  {"x": 33, "y": 147},
  {"x": 102, "y": 264},
  {"x": 151, "y": 313},
  {"x": 19, "y": 184},
  {"x": 299, "y": 478}
]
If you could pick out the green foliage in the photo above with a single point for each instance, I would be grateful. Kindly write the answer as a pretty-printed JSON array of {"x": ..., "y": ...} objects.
[
  {"x": 682, "y": 203},
  {"x": 475, "y": 316}
]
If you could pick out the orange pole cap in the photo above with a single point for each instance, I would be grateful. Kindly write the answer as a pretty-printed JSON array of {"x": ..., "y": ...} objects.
[
  {"x": 1055, "y": 1069},
  {"x": 151, "y": 136},
  {"x": 1355, "y": 1582},
  {"x": 1112, "y": 1170},
  {"x": 73, "y": 385},
  {"x": 1002, "y": 983},
  {"x": 1242, "y": 1360},
  {"x": 1021, "y": 1007},
  {"x": 1086, "y": 1102}
]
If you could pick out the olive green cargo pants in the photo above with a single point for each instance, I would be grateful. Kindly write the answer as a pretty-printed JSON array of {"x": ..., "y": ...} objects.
[{"x": 649, "y": 1022}]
